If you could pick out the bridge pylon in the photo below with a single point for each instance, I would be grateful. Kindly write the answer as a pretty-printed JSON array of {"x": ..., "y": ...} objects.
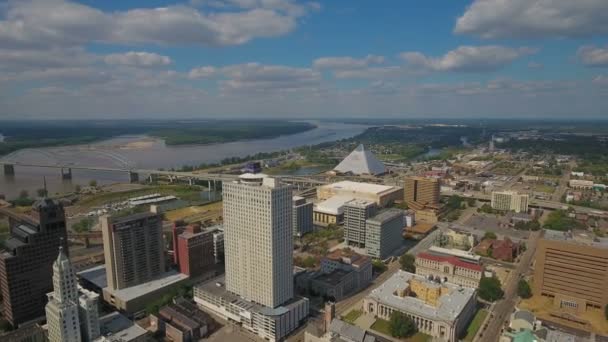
[
  {"x": 66, "y": 173},
  {"x": 133, "y": 177},
  {"x": 9, "y": 169}
]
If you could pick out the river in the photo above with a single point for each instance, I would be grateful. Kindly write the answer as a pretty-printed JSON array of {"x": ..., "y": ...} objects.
[{"x": 148, "y": 153}]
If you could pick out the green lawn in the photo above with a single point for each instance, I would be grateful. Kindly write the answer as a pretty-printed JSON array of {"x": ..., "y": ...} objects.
[
  {"x": 352, "y": 316},
  {"x": 185, "y": 192},
  {"x": 476, "y": 323},
  {"x": 544, "y": 188},
  {"x": 383, "y": 326}
]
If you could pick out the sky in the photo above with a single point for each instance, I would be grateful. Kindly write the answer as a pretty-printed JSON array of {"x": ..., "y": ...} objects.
[{"x": 302, "y": 59}]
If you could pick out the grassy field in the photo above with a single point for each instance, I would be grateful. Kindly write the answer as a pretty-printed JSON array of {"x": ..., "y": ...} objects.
[
  {"x": 184, "y": 192},
  {"x": 352, "y": 316},
  {"x": 544, "y": 188},
  {"x": 476, "y": 323},
  {"x": 196, "y": 213}
]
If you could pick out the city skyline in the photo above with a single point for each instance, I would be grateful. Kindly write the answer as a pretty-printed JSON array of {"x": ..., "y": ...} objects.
[{"x": 288, "y": 59}]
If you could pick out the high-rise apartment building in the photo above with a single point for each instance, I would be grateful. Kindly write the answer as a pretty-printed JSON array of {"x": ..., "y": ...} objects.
[
  {"x": 302, "y": 216},
  {"x": 133, "y": 249},
  {"x": 384, "y": 233},
  {"x": 62, "y": 307},
  {"x": 26, "y": 263},
  {"x": 572, "y": 271},
  {"x": 510, "y": 201},
  {"x": 258, "y": 239},
  {"x": 422, "y": 190},
  {"x": 195, "y": 251},
  {"x": 355, "y": 214}
]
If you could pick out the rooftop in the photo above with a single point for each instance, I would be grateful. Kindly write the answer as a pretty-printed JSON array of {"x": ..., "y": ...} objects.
[
  {"x": 451, "y": 260},
  {"x": 333, "y": 205},
  {"x": 115, "y": 327},
  {"x": 360, "y": 203},
  {"x": 449, "y": 306},
  {"x": 386, "y": 215},
  {"x": 332, "y": 278},
  {"x": 360, "y": 187},
  {"x": 216, "y": 287},
  {"x": 95, "y": 275},
  {"x": 350, "y": 332},
  {"x": 583, "y": 239},
  {"x": 454, "y": 252},
  {"x": 136, "y": 291}
]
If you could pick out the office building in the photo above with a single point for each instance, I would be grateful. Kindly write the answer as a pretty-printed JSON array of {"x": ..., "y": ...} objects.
[
  {"x": 580, "y": 184},
  {"x": 572, "y": 270},
  {"x": 133, "y": 249},
  {"x": 258, "y": 239},
  {"x": 441, "y": 310},
  {"x": 257, "y": 289},
  {"x": 361, "y": 162},
  {"x": 384, "y": 233},
  {"x": 62, "y": 307},
  {"x": 26, "y": 262},
  {"x": 71, "y": 311},
  {"x": 195, "y": 253},
  {"x": 383, "y": 195},
  {"x": 421, "y": 190},
  {"x": 356, "y": 212},
  {"x": 25, "y": 333},
  {"x": 449, "y": 268},
  {"x": 181, "y": 321},
  {"x": 302, "y": 216},
  {"x": 509, "y": 201}
]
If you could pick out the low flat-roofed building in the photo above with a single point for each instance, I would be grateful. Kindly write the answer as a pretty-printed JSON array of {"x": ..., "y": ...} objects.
[
  {"x": 182, "y": 321},
  {"x": 339, "y": 331},
  {"x": 273, "y": 324},
  {"x": 467, "y": 256},
  {"x": 115, "y": 327},
  {"x": 26, "y": 333},
  {"x": 572, "y": 270},
  {"x": 94, "y": 278},
  {"x": 330, "y": 211},
  {"x": 383, "y": 195},
  {"x": 580, "y": 184},
  {"x": 448, "y": 268},
  {"x": 133, "y": 300},
  {"x": 342, "y": 273},
  {"x": 441, "y": 310}
]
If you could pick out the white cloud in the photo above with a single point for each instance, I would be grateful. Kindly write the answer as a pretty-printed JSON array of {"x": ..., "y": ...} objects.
[
  {"x": 202, "y": 72},
  {"x": 601, "y": 80},
  {"x": 138, "y": 59},
  {"x": 467, "y": 58},
  {"x": 256, "y": 77},
  {"x": 43, "y": 23},
  {"x": 593, "y": 56},
  {"x": 27, "y": 59},
  {"x": 342, "y": 63},
  {"x": 534, "y": 18}
]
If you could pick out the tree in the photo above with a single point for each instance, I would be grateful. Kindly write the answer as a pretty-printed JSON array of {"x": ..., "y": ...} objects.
[
  {"x": 24, "y": 194},
  {"x": 77, "y": 188},
  {"x": 378, "y": 266},
  {"x": 489, "y": 289},
  {"x": 5, "y": 325},
  {"x": 93, "y": 183},
  {"x": 84, "y": 225},
  {"x": 471, "y": 202},
  {"x": 408, "y": 263},
  {"x": 523, "y": 289},
  {"x": 41, "y": 192},
  {"x": 454, "y": 202},
  {"x": 489, "y": 235},
  {"x": 401, "y": 326},
  {"x": 606, "y": 311}
]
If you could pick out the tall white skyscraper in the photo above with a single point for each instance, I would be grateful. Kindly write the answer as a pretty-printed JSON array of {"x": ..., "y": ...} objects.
[
  {"x": 62, "y": 308},
  {"x": 71, "y": 312},
  {"x": 258, "y": 239}
]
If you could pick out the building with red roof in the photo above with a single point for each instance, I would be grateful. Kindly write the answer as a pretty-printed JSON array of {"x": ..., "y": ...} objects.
[{"x": 448, "y": 268}]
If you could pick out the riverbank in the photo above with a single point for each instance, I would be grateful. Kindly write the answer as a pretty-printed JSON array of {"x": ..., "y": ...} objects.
[{"x": 24, "y": 134}]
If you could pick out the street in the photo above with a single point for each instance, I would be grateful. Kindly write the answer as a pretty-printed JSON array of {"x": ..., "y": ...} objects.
[{"x": 503, "y": 309}]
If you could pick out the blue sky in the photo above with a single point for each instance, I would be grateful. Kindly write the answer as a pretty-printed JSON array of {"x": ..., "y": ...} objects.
[{"x": 297, "y": 59}]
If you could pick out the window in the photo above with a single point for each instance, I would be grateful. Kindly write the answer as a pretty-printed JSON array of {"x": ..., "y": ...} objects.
[{"x": 568, "y": 304}]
